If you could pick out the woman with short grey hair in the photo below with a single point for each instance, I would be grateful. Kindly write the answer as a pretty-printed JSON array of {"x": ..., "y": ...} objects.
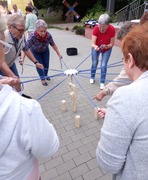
[
  {"x": 15, "y": 20},
  {"x": 38, "y": 43},
  {"x": 104, "y": 19},
  {"x": 103, "y": 37},
  {"x": 41, "y": 23}
]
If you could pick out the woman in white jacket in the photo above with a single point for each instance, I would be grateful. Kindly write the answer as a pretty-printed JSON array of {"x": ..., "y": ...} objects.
[{"x": 25, "y": 134}]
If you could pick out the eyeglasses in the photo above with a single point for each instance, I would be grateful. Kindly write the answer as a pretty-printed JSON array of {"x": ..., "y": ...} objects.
[
  {"x": 20, "y": 30},
  {"x": 103, "y": 27}
]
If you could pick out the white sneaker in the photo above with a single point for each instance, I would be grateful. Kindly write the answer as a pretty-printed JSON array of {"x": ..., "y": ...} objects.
[
  {"x": 92, "y": 81},
  {"x": 101, "y": 86}
]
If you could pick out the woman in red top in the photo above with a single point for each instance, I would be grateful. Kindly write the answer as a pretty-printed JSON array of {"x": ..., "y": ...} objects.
[{"x": 102, "y": 42}]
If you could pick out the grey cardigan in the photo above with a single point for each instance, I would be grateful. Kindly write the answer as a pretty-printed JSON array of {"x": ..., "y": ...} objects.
[{"x": 123, "y": 146}]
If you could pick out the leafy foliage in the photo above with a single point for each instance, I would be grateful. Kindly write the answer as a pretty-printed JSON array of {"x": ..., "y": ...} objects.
[
  {"x": 80, "y": 31},
  {"x": 95, "y": 12}
]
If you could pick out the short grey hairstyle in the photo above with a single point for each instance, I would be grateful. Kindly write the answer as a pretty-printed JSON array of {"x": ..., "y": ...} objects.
[
  {"x": 15, "y": 19},
  {"x": 40, "y": 23},
  {"x": 3, "y": 23},
  {"x": 104, "y": 19},
  {"x": 124, "y": 29}
]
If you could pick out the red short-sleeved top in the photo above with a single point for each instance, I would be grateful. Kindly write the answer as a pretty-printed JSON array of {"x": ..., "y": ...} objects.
[{"x": 104, "y": 38}]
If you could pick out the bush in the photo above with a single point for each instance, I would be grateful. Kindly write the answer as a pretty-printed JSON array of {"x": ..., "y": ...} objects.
[
  {"x": 75, "y": 28},
  {"x": 80, "y": 31},
  {"x": 95, "y": 12},
  {"x": 67, "y": 28}
]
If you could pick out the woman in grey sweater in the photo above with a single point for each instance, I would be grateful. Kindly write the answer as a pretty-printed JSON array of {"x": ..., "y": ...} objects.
[{"x": 123, "y": 145}]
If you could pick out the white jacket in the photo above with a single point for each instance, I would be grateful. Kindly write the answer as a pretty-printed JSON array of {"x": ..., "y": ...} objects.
[{"x": 25, "y": 135}]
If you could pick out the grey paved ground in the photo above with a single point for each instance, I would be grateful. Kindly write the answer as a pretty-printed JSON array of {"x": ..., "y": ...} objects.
[{"x": 75, "y": 159}]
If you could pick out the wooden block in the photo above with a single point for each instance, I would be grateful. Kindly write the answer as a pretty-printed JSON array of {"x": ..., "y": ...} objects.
[
  {"x": 77, "y": 121},
  {"x": 72, "y": 88},
  {"x": 73, "y": 96},
  {"x": 74, "y": 106},
  {"x": 63, "y": 105},
  {"x": 96, "y": 113}
]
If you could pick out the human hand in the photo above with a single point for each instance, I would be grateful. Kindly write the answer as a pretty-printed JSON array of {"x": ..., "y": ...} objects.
[
  {"x": 100, "y": 95},
  {"x": 40, "y": 66},
  {"x": 12, "y": 81},
  {"x": 21, "y": 62},
  {"x": 60, "y": 57},
  {"x": 103, "y": 46},
  {"x": 96, "y": 48},
  {"x": 101, "y": 112}
]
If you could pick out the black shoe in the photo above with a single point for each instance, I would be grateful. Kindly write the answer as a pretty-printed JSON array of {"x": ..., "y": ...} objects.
[
  {"x": 48, "y": 79},
  {"x": 44, "y": 83},
  {"x": 24, "y": 95}
]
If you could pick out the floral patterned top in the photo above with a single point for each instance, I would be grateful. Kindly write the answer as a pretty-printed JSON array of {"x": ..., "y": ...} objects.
[{"x": 35, "y": 44}]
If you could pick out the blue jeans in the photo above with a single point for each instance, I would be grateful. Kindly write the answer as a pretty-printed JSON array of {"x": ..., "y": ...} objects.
[
  {"x": 13, "y": 69},
  {"x": 43, "y": 58},
  {"x": 104, "y": 61}
]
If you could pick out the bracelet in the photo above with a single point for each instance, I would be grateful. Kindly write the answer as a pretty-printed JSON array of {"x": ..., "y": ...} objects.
[
  {"x": 35, "y": 62},
  {"x": 1, "y": 76}
]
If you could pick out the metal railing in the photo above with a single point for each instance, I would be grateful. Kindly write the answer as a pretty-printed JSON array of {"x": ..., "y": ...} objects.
[{"x": 134, "y": 10}]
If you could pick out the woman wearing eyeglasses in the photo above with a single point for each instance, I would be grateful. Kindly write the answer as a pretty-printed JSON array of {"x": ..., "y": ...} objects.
[
  {"x": 15, "y": 37},
  {"x": 8, "y": 78},
  {"x": 103, "y": 37}
]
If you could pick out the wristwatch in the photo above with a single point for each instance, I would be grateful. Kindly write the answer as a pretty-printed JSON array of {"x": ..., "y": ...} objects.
[{"x": 35, "y": 62}]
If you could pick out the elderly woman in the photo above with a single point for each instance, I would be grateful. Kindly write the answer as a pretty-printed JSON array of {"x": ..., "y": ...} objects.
[
  {"x": 15, "y": 36},
  {"x": 3, "y": 66},
  {"x": 38, "y": 42},
  {"x": 103, "y": 37}
]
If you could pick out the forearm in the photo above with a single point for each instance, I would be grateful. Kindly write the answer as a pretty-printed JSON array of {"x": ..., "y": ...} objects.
[
  {"x": 30, "y": 56},
  {"x": 111, "y": 44},
  {"x": 56, "y": 50},
  {"x": 121, "y": 80},
  {"x": 6, "y": 70}
]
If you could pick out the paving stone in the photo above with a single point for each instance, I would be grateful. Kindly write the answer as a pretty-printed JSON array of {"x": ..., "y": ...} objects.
[
  {"x": 42, "y": 168},
  {"x": 107, "y": 176},
  {"x": 93, "y": 174},
  {"x": 85, "y": 148},
  {"x": 67, "y": 134},
  {"x": 67, "y": 166},
  {"x": 74, "y": 145},
  {"x": 61, "y": 151},
  {"x": 64, "y": 176},
  {"x": 88, "y": 139},
  {"x": 92, "y": 164},
  {"x": 79, "y": 170},
  {"x": 54, "y": 162},
  {"x": 82, "y": 159},
  {"x": 52, "y": 173},
  {"x": 78, "y": 136},
  {"x": 70, "y": 155}
]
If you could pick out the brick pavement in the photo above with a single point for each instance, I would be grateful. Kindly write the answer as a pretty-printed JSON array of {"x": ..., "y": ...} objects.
[{"x": 75, "y": 159}]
